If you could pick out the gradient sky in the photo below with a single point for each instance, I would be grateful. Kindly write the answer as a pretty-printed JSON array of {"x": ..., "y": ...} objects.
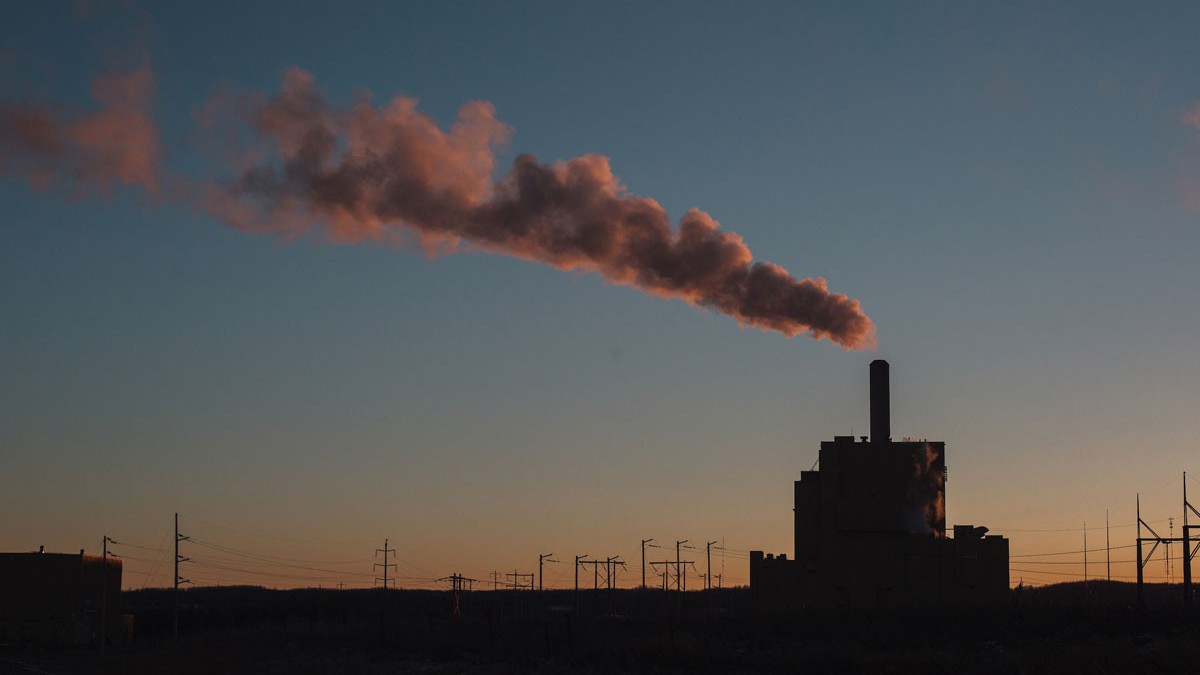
[{"x": 1010, "y": 189}]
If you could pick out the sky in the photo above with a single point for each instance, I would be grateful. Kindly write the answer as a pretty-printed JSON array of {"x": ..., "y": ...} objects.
[{"x": 1010, "y": 190}]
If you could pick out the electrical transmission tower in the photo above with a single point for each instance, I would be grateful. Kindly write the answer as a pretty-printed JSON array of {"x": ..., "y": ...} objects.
[
  {"x": 666, "y": 570},
  {"x": 595, "y": 563},
  {"x": 1189, "y": 551},
  {"x": 458, "y": 585},
  {"x": 610, "y": 576},
  {"x": 520, "y": 580},
  {"x": 680, "y": 572},
  {"x": 608, "y": 565},
  {"x": 385, "y": 564}
]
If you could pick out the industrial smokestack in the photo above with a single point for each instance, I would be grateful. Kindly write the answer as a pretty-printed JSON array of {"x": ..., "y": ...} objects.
[{"x": 881, "y": 413}]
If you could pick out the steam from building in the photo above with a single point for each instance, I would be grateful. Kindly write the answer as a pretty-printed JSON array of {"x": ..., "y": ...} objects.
[{"x": 925, "y": 511}]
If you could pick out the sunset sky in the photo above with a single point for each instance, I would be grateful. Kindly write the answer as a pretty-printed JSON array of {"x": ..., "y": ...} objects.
[{"x": 1011, "y": 191}]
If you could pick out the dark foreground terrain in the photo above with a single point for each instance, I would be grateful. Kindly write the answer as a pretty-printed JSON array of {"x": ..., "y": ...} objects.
[{"x": 1057, "y": 629}]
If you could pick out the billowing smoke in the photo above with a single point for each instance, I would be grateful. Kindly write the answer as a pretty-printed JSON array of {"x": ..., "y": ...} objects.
[
  {"x": 119, "y": 143},
  {"x": 390, "y": 173},
  {"x": 1191, "y": 116},
  {"x": 925, "y": 509}
]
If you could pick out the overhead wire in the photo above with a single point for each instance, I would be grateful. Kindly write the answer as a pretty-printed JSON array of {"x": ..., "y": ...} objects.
[
  {"x": 154, "y": 569},
  {"x": 231, "y": 528},
  {"x": 273, "y": 558},
  {"x": 1073, "y": 529}
]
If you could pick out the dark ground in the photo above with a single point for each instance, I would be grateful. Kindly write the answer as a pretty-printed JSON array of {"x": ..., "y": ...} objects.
[{"x": 1057, "y": 629}]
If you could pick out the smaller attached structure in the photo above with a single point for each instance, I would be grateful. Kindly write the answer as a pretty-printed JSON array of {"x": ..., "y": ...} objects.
[{"x": 60, "y": 598}]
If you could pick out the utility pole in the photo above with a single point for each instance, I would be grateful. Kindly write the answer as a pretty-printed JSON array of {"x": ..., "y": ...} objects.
[
  {"x": 1107, "y": 551},
  {"x": 1187, "y": 547},
  {"x": 1140, "y": 599},
  {"x": 678, "y": 576},
  {"x": 644, "y": 542},
  {"x": 1167, "y": 549},
  {"x": 178, "y": 579},
  {"x": 577, "y": 559},
  {"x": 495, "y": 580},
  {"x": 543, "y": 558},
  {"x": 708, "y": 565},
  {"x": 1085, "y": 554},
  {"x": 385, "y": 565},
  {"x": 104, "y": 598}
]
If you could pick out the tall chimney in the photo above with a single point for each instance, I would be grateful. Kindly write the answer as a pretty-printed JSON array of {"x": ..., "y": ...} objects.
[{"x": 881, "y": 414}]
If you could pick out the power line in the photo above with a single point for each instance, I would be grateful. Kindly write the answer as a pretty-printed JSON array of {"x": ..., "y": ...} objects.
[
  {"x": 256, "y": 561},
  {"x": 274, "y": 558},
  {"x": 1067, "y": 529},
  {"x": 1090, "y": 550},
  {"x": 231, "y": 528},
  {"x": 154, "y": 569}
]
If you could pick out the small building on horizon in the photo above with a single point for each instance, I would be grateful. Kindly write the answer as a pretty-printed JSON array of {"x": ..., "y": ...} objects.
[
  {"x": 60, "y": 598},
  {"x": 870, "y": 529}
]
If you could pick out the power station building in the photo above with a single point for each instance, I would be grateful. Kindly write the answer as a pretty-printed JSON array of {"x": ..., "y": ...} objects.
[{"x": 870, "y": 528}]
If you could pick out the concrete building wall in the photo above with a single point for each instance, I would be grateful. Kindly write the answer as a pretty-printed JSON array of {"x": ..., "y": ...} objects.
[
  {"x": 883, "y": 487},
  {"x": 808, "y": 516}
]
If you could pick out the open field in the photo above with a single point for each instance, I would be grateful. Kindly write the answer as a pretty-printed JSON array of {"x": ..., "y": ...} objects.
[{"x": 1056, "y": 629}]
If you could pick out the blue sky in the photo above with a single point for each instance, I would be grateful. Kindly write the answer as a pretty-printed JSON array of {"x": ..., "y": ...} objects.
[{"x": 1000, "y": 185}]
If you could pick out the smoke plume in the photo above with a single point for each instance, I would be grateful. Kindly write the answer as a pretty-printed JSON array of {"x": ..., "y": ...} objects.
[
  {"x": 389, "y": 173},
  {"x": 1191, "y": 116},
  {"x": 117, "y": 144}
]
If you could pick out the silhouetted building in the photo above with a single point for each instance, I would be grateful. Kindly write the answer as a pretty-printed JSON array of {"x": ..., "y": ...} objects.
[
  {"x": 870, "y": 528},
  {"x": 58, "y": 598}
]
